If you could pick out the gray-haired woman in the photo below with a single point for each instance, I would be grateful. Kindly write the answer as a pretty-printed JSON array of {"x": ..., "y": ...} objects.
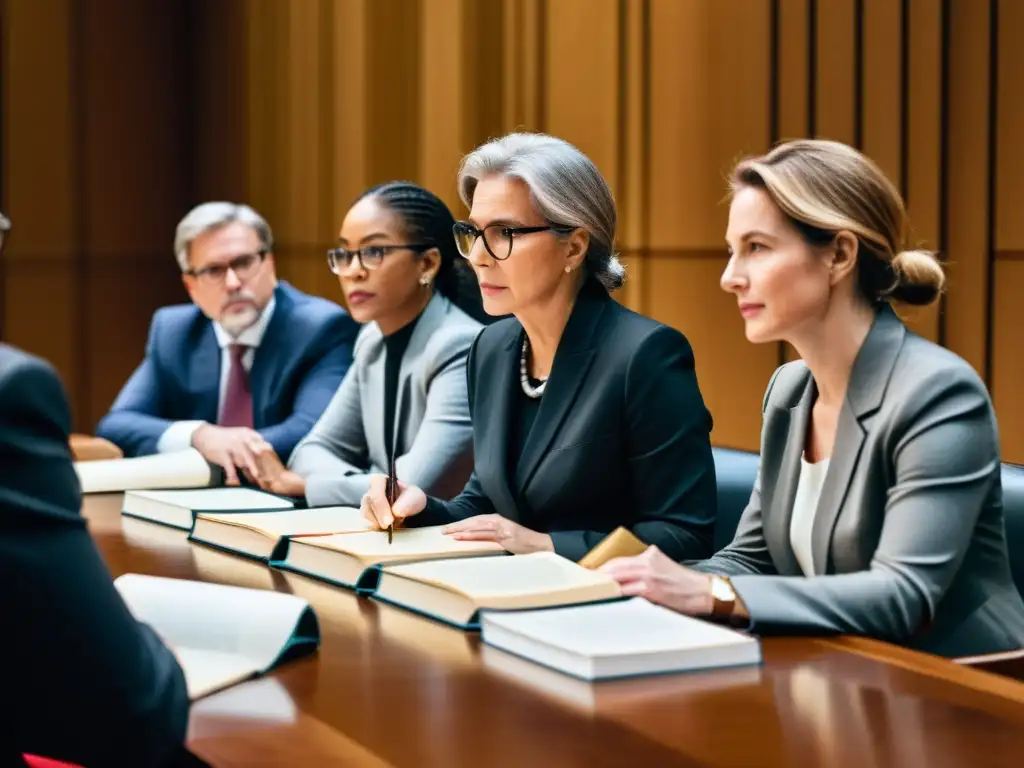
[{"x": 586, "y": 416}]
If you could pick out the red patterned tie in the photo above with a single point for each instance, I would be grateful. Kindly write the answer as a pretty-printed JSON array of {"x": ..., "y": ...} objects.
[{"x": 237, "y": 410}]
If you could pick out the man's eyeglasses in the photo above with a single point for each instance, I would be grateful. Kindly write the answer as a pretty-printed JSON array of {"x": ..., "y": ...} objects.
[
  {"x": 243, "y": 266},
  {"x": 370, "y": 257},
  {"x": 497, "y": 237}
]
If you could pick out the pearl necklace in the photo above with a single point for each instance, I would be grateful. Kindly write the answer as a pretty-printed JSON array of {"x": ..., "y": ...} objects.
[{"x": 524, "y": 379}]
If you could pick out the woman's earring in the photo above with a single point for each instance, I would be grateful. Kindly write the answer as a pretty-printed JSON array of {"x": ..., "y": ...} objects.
[
  {"x": 425, "y": 280},
  {"x": 568, "y": 270}
]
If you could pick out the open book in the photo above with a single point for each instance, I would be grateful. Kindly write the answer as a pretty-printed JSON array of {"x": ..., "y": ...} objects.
[
  {"x": 456, "y": 591},
  {"x": 351, "y": 559},
  {"x": 265, "y": 535},
  {"x": 180, "y": 469},
  {"x": 179, "y": 508},
  {"x": 221, "y": 635},
  {"x": 620, "y": 639}
]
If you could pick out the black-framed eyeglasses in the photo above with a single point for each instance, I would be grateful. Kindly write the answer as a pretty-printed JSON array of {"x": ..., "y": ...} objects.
[
  {"x": 497, "y": 237},
  {"x": 370, "y": 256},
  {"x": 244, "y": 267}
]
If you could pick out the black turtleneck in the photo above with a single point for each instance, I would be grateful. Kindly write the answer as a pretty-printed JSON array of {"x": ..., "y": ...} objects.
[{"x": 394, "y": 346}]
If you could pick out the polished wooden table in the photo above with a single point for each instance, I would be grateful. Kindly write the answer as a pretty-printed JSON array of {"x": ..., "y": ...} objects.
[{"x": 391, "y": 688}]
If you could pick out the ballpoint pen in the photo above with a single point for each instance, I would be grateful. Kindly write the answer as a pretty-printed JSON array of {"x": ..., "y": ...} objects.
[{"x": 391, "y": 491}]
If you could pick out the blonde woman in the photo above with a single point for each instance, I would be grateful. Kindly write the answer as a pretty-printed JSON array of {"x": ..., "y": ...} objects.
[{"x": 877, "y": 509}]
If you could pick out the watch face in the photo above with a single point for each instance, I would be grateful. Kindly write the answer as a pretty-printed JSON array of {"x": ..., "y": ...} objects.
[{"x": 720, "y": 590}]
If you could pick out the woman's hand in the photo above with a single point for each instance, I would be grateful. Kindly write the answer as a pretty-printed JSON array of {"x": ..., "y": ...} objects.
[
  {"x": 274, "y": 476},
  {"x": 513, "y": 537},
  {"x": 660, "y": 579},
  {"x": 375, "y": 508}
]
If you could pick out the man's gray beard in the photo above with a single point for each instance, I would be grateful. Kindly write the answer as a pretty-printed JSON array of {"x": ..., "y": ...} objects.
[{"x": 237, "y": 323}]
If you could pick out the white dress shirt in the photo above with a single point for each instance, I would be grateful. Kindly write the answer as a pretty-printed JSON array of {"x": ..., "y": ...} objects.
[
  {"x": 178, "y": 436},
  {"x": 805, "y": 507}
]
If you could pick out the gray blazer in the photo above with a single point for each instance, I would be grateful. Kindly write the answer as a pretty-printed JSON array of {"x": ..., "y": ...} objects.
[
  {"x": 908, "y": 543},
  {"x": 433, "y": 432}
]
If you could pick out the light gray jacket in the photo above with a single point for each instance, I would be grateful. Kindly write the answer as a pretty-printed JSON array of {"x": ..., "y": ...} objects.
[
  {"x": 908, "y": 542},
  {"x": 433, "y": 432}
]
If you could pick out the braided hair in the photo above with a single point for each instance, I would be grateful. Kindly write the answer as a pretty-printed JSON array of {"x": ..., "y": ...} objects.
[{"x": 426, "y": 219}]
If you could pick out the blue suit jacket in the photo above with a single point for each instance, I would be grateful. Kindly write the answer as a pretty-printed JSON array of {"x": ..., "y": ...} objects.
[{"x": 305, "y": 352}]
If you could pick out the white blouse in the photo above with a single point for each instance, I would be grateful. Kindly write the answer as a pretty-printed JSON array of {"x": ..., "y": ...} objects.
[{"x": 805, "y": 506}]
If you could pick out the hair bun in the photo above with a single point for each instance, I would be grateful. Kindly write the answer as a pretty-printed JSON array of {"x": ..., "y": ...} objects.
[{"x": 919, "y": 277}]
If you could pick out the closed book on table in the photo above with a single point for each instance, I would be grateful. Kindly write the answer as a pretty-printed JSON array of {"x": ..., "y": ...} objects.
[
  {"x": 177, "y": 469},
  {"x": 457, "y": 591},
  {"x": 354, "y": 560},
  {"x": 179, "y": 508},
  {"x": 265, "y": 535},
  {"x": 623, "y": 639},
  {"x": 221, "y": 635}
]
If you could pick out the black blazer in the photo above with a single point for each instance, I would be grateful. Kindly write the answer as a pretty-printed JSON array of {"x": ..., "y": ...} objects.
[
  {"x": 84, "y": 682},
  {"x": 621, "y": 436}
]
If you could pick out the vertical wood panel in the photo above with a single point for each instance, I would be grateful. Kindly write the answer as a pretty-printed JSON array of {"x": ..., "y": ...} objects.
[
  {"x": 582, "y": 87},
  {"x": 219, "y": 124},
  {"x": 1008, "y": 316},
  {"x": 442, "y": 64},
  {"x": 40, "y": 192},
  {"x": 924, "y": 140},
  {"x": 882, "y": 114},
  {"x": 793, "y": 70},
  {"x": 836, "y": 77},
  {"x": 393, "y": 93},
  {"x": 634, "y": 162},
  {"x": 1008, "y": 362},
  {"x": 348, "y": 62},
  {"x": 302, "y": 228},
  {"x": 1009, "y": 202},
  {"x": 707, "y": 112},
  {"x": 967, "y": 181},
  {"x": 710, "y": 106}
]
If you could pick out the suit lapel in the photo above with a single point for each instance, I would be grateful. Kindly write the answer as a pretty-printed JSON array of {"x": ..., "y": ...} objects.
[
  {"x": 266, "y": 363},
  {"x": 430, "y": 318},
  {"x": 496, "y": 398},
  {"x": 778, "y": 522},
  {"x": 204, "y": 374},
  {"x": 869, "y": 380},
  {"x": 572, "y": 361}
]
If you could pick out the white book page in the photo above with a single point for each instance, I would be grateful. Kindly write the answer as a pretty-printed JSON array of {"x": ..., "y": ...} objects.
[
  {"x": 209, "y": 671},
  {"x": 180, "y": 469},
  {"x": 485, "y": 577},
  {"x": 217, "y": 499},
  {"x": 630, "y": 627},
  {"x": 253, "y": 623},
  {"x": 295, "y": 522},
  {"x": 406, "y": 543}
]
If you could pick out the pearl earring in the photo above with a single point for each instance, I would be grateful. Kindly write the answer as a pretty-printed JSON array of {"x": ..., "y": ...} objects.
[
  {"x": 425, "y": 280},
  {"x": 568, "y": 270}
]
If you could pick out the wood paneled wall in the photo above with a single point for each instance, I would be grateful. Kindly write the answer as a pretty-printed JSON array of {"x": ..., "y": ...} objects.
[
  {"x": 297, "y": 106},
  {"x": 96, "y": 170}
]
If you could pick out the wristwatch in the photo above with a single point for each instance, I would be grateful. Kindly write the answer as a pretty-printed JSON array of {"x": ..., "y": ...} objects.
[{"x": 723, "y": 597}]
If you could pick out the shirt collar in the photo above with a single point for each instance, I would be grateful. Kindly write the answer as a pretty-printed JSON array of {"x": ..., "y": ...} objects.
[{"x": 251, "y": 336}]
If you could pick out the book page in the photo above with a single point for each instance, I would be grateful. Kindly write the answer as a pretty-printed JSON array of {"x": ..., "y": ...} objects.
[
  {"x": 180, "y": 469},
  {"x": 225, "y": 499},
  {"x": 209, "y": 671},
  {"x": 632, "y": 627},
  {"x": 408, "y": 544},
  {"x": 252, "y": 623},
  {"x": 490, "y": 577},
  {"x": 299, "y": 522}
]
